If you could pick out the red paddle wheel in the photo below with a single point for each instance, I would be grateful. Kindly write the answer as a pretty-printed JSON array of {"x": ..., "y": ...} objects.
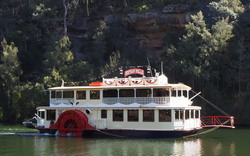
[{"x": 72, "y": 122}]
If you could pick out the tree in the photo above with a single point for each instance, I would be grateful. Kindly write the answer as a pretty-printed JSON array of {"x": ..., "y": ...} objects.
[
  {"x": 57, "y": 62},
  {"x": 26, "y": 98},
  {"x": 202, "y": 52},
  {"x": 10, "y": 73},
  {"x": 227, "y": 8},
  {"x": 60, "y": 65},
  {"x": 191, "y": 54},
  {"x": 112, "y": 65}
]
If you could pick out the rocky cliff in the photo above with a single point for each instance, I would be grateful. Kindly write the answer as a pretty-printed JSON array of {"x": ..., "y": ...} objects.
[{"x": 148, "y": 27}]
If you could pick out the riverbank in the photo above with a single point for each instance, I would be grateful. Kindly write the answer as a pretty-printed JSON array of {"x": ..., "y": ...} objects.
[{"x": 5, "y": 128}]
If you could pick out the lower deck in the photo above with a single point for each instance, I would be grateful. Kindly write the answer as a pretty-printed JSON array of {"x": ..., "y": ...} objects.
[{"x": 155, "y": 119}]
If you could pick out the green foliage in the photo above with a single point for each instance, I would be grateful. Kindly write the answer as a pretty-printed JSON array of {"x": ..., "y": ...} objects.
[
  {"x": 112, "y": 65},
  {"x": 57, "y": 62},
  {"x": 9, "y": 65},
  {"x": 207, "y": 55},
  {"x": 61, "y": 65},
  {"x": 10, "y": 74},
  {"x": 191, "y": 54},
  {"x": 1, "y": 113},
  {"x": 201, "y": 53},
  {"x": 227, "y": 8},
  {"x": 222, "y": 32},
  {"x": 26, "y": 98},
  {"x": 41, "y": 11},
  {"x": 142, "y": 8}
]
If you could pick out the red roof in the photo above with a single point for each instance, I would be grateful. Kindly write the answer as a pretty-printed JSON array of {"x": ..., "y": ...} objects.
[{"x": 96, "y": 84}]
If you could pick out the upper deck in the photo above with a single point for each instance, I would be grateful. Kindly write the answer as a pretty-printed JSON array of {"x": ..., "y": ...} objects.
[{"x": 122, "y": 92}]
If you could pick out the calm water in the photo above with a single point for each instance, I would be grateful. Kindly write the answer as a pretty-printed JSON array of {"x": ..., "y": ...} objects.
[{"x": 220, "y": 142}]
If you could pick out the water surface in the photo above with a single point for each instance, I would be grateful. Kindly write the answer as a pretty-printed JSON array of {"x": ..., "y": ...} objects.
[{"x": 220, "y": 142}]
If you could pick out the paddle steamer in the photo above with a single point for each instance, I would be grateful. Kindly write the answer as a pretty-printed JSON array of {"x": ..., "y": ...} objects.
[{"x": 135, "y": 105}]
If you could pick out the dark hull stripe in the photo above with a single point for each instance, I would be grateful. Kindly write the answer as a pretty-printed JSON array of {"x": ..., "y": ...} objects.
[{"x": 128, "y": 133}]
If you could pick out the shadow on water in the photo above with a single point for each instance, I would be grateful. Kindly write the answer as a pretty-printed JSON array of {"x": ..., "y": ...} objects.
[{"x": 219, "y": 142}]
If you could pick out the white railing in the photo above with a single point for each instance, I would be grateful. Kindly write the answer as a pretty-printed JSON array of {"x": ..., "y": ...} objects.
[
  {"x": 139, "y": 100},
  {"x": 187, "y": 124},
  {"x": 57, "y": 101}
]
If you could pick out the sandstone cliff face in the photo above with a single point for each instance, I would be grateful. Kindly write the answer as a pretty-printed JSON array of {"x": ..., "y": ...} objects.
[
  {"x": 151, "y": 27},
  {"x": 148, "y": 27}
]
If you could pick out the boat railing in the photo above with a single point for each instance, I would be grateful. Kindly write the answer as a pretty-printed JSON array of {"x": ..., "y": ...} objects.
[
  {"x": 217, "y": 121},
  {"x": 139, "y": 100},
  {"x": 187, "y": 123},
  {"x": 66, "y": 101}
]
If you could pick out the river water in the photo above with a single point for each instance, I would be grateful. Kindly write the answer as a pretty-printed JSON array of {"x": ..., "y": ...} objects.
[{"x": 223, "y": 142}]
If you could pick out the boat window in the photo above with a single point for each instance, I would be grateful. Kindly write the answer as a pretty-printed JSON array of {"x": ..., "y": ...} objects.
[
  {"x": 81, "y": 94},
  {"x": 110, "y": 93},
  {"x": 187, "y": 115},
  {"x": 148, "y": 115},
  {"x": 51, "y": 114},
  {"x": 173, "y": 93},
  {"x": 41, "y": 114},
  {"x": 143, "y": 93},
  {"x": 160, "y": 92},
  {"x": 192, "y": 114},
  {"x": 164, "y": 115},
  {"x": 126, "y": 92},
  {"x": 103, "y": 114},
  {"x": 58, "y": 94},
  {"x": 53, "y": 94},
  {"x": 133, "y": 115},
  {"x": 185, "y": 93},
  {"x": 68, "y": 94},
  {"x": 117, "y": 115},
  {"x": 181, "y": 114},
  {"x": 95, "y": 94},
  {"x": 196, "y": 113},
  {"x": 59, "y": 112},
  {"x": 177, "y": 114},
  {"x": 179, "y": 92}
]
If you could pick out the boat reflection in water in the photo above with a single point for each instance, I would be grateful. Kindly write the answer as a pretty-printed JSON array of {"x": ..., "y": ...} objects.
[
  {"x": 188, "y": 147},
  {"x": 57, "y": 146},
  {"x": 127, "y": 147}
]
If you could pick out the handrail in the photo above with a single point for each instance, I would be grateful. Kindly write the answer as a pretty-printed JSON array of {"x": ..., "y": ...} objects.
[
  {"x": 139, "y": 100},
  {"x": 218, "y": 121}
]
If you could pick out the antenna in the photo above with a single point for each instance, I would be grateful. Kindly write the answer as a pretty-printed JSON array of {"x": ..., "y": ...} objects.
[
  {"x": 150, "y": 69},
  {"x": 161, "y": 68}
]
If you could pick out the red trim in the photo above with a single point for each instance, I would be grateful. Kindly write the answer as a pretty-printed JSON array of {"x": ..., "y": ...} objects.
[
  {"x": 151, "y": 82},
  {"x": 218, "y": 121},
  {"x": 96, "y": 84},
  {"x": 123, "y": 82},
  {"x": 109, "y": 83},
  {"x": 137, "y": 82},
  {"x": 217, "y": 117}
]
